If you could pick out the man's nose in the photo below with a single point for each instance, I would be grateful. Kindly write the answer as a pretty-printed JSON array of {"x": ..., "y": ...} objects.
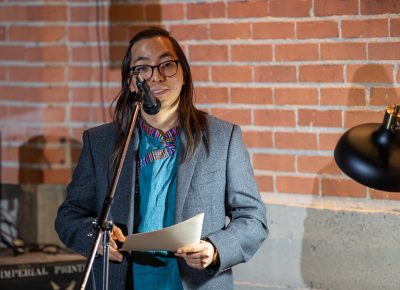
[{"x": 157, "y": 77}]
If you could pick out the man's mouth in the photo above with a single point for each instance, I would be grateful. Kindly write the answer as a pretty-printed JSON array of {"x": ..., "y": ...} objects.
[{"x": 159, "y": 91}]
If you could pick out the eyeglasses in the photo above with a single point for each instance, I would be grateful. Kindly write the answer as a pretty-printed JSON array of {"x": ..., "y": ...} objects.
[{"x": 166, "y": 69}]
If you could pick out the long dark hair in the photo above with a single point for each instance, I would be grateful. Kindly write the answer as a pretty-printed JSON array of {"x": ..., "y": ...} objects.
[{"x": 191, "y": 120}]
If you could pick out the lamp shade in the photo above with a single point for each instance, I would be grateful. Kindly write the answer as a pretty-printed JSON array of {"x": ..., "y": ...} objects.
[{"x": 370, "y": 153}]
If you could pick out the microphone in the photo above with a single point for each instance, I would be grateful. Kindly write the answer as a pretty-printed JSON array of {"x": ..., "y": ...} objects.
[{"x": 151, "y": 105}]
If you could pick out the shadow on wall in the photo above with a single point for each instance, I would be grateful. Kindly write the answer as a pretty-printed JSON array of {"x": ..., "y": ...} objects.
[
  {"x": 46, "y": 164},
  {"x": 351, "y": 249}
]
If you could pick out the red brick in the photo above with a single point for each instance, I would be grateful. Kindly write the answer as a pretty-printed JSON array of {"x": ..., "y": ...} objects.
[
  {"x": 296, "y": 96},
  {"x": 371, "y": 7},
  {"x": 317, "y": 164},
  {"x": 118, "y": 12},
  {"x": 85, "y": 13},
  {"x": 166, "y": 11},
  {"x": 296, "y": 140},
  {"x": 44, "y": 114},
  {"x": 231, "y": 73},
  {"x": 265, "y": 183},
  {"x": 83, "y": 73},
  {"x": 290, "y": 52},
  {"x": 343, "y": 51},
  {"x": 114, "y": 33},
  {"x": 230, "y": 31},
  {"x": 341, "y": 7},
  {"x": 382, "y": 96},
  {"x": 251, "y": 95},
  {"x": 211, "y": 95},
  {"x": 9, "y": 175},
  {"x": 111, "y": 75},
  {"x": 321, "y": 73},
  {"x": 290, "y": 8},
  {"x": 3, "y": 113},
  {"x": 354, "y": 118},
  {"x": 236, "y": 116},
  {"x": 190, "y": 31},
  {"x": 205, "y": 10},
  {"x": 279, "y": 74},
  {"x": 16, "y": 130},
  {"x": 12, "y": 52},
  {"x": 342, "y": 187},
  {"x": 317, "y": 29},
  {"x": 365, "y": 28},
  {"x": 274, "y": 162},
  {"x": 53, "y": 53},
  {"x": 53, "y": 13},
  {"x": 377, "y": 194},
  {"x": 297, "y": 184},
  {"x": 87, "y": 114},
  {"x": 246, "y": 9},
  {"x": 3, "y": 73},
  {"x": 116, "y": 53},
  {"x": 200, "y": 73},
  {"x": 89, "y": 33},
  {"x": 208, "y": 53},
  {"x": 250, "y": 52},
  {"x": 9, "y": 153},
  {"x": 353, "y": 96},
  {"x": 277, "y": 118},
  {"x": 273, "y": 30},
  {"x": 315, "y": 118},
  {"x": 37, "y": 33},
  {"x": 384, "y": 51},
  {"x": 48, "y": 94},
  {"x": 257, "y": 139},
  {"x": 370, "y": 73},
  {"x": 85, "y": 94},
  {"x": 38, "y": 74},
  {"x": 328, "y": 141},
  {"x": 87, "y": 53},
  {"x": 3, "y": 30},
  {"x": 394, "y": 27}
]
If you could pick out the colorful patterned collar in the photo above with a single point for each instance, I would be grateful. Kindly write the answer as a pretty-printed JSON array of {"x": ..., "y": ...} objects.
[
  {"x": 168, "y": 139},
  {"x": 156, "y": 133}
]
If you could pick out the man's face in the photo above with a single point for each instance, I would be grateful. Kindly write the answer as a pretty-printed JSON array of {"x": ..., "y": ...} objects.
[{"x": 154, "y": 51}]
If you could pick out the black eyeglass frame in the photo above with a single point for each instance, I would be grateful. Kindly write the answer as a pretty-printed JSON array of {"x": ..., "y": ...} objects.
[{"x": 176, "y": 61}]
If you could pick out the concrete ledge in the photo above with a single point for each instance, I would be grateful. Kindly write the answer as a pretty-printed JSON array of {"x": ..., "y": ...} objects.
[{"x": 326, "y": 243}]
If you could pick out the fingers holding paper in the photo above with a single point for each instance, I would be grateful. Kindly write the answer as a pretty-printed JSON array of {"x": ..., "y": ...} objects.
[
  {"x": 198, "y": 256},
  {"x": 114, "y": 254}
]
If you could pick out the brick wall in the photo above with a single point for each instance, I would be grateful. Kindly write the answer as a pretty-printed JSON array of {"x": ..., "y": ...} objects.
[{"x": 295, "y": 74}]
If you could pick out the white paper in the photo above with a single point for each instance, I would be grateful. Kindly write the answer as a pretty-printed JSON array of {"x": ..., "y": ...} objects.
[{"x": 169, "y": 239}]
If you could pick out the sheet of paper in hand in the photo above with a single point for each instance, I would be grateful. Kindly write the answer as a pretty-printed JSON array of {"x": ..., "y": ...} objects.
[{"x": 169, "y": 239}]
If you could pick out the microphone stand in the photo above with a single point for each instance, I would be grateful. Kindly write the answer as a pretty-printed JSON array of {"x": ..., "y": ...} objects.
[{"x": 101, "y": 224}]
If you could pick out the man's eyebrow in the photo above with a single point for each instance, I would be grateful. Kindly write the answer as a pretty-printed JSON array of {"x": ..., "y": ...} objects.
[
  {"x": 165, "y": 54},
  {"x": 141, "y": 58}
]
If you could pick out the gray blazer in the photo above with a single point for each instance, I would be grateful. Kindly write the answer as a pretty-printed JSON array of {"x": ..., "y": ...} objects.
[{"x": 221, "y": 184}]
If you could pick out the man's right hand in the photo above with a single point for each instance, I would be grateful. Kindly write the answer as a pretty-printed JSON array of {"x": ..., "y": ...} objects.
[{"x": 114, "y": 254}]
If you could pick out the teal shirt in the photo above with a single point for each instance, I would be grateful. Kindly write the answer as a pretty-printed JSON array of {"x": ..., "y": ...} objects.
[{"x": 157, "y": 186}]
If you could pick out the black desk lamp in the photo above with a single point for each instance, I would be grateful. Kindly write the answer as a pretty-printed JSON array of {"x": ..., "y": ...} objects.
[{"x": 370, "y": 153}]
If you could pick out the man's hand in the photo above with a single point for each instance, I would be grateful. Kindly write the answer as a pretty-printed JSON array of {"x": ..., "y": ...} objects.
[
  {"x": 115, "y": 255},
  {"x": 198, "y": 256}
]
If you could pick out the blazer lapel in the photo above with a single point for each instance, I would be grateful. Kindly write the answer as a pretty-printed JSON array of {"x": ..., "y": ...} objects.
[{"x": 184, "y": 177}]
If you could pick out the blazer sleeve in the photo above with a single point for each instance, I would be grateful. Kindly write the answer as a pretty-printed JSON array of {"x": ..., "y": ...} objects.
[
  {"x": 76, "y": 214},
  {"x": 247, "y": 228}
]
